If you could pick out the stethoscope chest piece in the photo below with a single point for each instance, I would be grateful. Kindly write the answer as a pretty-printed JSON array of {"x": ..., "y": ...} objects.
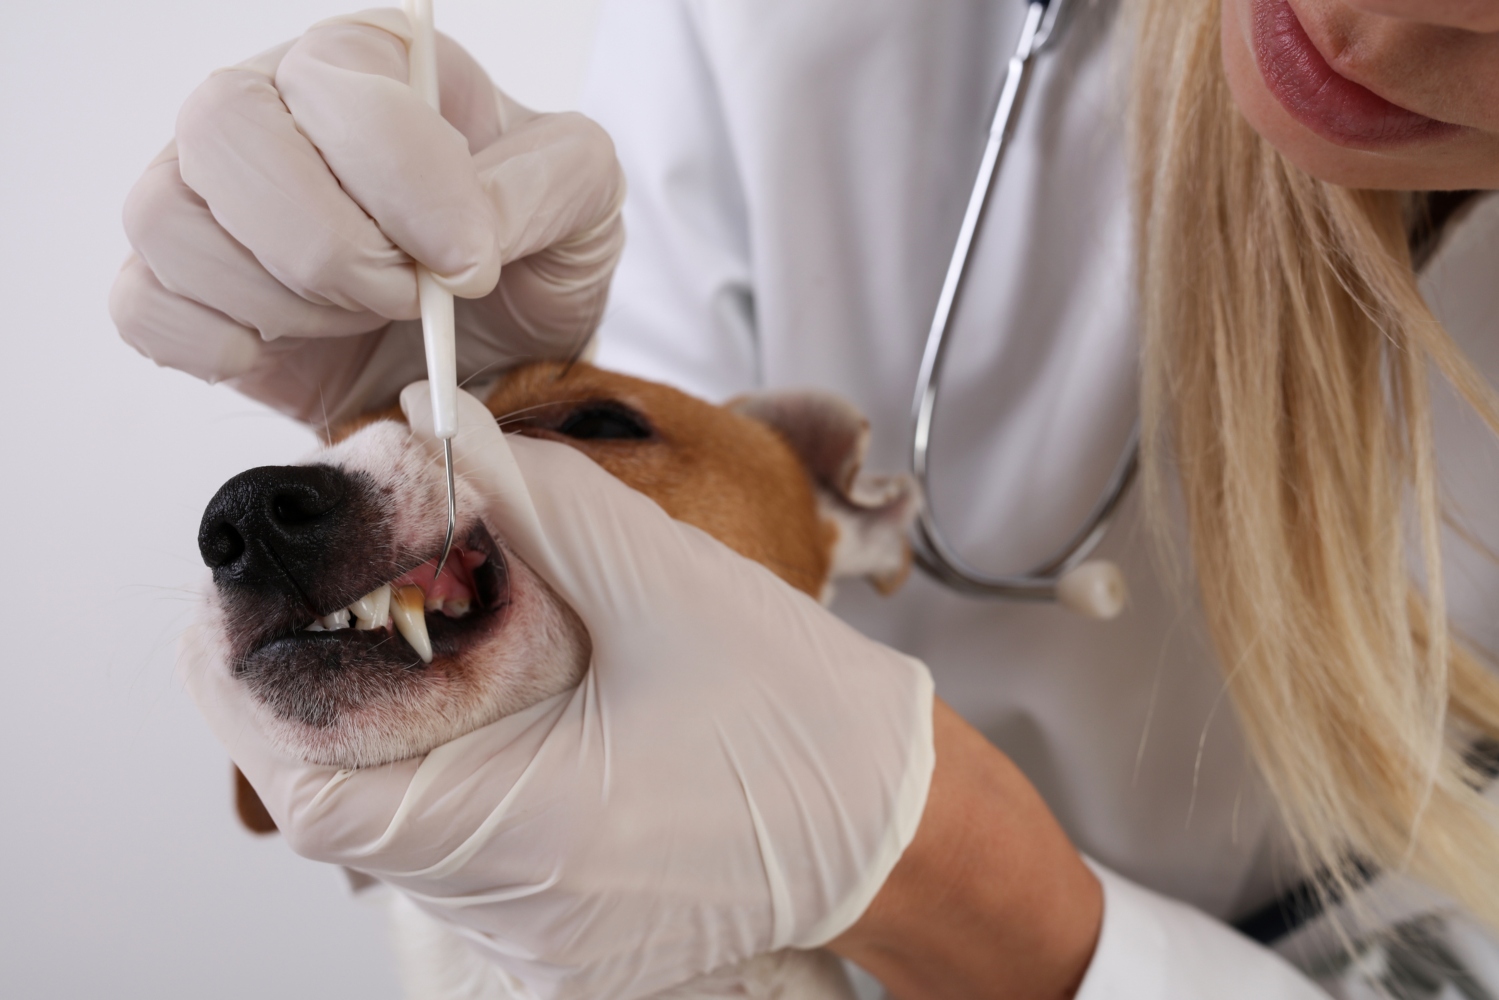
[{"x": 1094, "y": 589}]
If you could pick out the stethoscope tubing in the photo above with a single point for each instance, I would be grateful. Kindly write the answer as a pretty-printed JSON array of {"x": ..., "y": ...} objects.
[{"x": 1041, "y": 30}]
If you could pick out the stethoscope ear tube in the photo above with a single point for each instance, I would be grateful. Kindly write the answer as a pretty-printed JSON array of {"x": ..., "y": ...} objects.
[{"x": 1092, "y": 588}]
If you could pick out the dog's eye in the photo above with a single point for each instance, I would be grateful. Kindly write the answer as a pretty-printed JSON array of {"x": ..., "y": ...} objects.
[{"x": 604, "y": 422}]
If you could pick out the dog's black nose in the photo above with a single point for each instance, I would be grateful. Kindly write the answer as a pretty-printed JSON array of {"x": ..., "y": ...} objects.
[{"x": 273, "y": 526}]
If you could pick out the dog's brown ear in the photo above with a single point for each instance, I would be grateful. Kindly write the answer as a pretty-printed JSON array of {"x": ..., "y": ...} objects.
[
  {"x": 252, "y": 812},
  {"x": 871, "y": 515}
]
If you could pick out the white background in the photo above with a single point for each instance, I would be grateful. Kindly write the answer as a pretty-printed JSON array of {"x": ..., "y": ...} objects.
[{"x": 122, "y": 870}]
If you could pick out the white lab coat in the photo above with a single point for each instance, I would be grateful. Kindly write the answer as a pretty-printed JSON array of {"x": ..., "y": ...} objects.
[{"x": 797, "y": 172}]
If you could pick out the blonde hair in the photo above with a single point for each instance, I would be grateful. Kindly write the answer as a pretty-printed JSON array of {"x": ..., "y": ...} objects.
[{"x": 1286, "y": 363}]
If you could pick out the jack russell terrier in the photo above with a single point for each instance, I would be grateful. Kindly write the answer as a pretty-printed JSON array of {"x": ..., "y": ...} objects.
[{"x": 358, "y": 654}]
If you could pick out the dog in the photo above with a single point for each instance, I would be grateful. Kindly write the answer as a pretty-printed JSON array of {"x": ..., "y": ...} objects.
[{"x": 357, "y": 653}]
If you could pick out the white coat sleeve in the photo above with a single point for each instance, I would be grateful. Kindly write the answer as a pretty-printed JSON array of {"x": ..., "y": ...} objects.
[
  {"x": 1154, "y": 948},
  {"x": 681, "y": 309}
]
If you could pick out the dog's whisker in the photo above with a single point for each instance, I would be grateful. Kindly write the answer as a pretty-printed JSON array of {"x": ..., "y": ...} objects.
[
  {"x": 510, "y": 417},
  {"x": 327, "y": 429},
  {"x": 574, "y": 356},
  {"x": 486, "y": 368}
]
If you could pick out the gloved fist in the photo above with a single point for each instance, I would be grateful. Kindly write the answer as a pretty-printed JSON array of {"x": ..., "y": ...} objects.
[
  {"x": 274, "y": 238},
  {"x": 738, "y": 771}
]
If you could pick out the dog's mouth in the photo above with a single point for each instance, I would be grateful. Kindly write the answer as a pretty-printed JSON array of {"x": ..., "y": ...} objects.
[
  {"x": 363, "y": 653},
  {"x": 428, "y": 610}
]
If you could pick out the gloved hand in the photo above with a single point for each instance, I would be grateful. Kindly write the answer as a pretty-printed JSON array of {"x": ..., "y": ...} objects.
[
  {"x": 738, "y": 771},
  {"x": 274, "y": 238}
]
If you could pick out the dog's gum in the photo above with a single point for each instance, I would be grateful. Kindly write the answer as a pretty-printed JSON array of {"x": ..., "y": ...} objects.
[{"x": 455, "y": 583}]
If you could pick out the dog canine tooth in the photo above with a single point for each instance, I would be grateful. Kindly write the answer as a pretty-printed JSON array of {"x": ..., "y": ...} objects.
[
  {"x": 408, "y": 611},
  {"x": 372, "y": 611}
]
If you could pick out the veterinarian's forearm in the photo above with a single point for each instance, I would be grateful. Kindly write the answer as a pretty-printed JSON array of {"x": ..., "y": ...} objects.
[{"x": 990, "y": 899}]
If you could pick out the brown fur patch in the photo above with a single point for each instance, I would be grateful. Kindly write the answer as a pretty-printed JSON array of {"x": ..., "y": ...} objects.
[
  {"x": 730, "y": 475},
  {"x": 252, "y": 812}
]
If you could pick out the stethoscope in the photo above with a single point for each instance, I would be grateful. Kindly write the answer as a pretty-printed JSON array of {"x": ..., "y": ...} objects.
[{"x": 1094, "y": 588}]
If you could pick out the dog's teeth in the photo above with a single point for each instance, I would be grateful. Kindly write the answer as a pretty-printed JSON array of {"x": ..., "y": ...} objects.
[
  {"x": 316, "y": 626},
  {"x": 434, "y": 604},
  {"x": 407, "y": 610},
  {"x": 337, "y": 620},
  {"x": 455, "y": 607},
  {"x": 373, "y": 609}
]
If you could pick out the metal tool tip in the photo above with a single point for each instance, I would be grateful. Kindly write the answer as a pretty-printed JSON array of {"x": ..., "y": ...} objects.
[{"x": 447, "y": 542}]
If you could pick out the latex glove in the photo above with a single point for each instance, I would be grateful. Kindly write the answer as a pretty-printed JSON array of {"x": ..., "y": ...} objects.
[
  {"x": 738, "y": 771},
  {"x": 274, "y": 238}
]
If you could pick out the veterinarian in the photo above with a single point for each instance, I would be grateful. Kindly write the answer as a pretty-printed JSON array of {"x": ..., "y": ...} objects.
[{"x": 1201, "y": 224}]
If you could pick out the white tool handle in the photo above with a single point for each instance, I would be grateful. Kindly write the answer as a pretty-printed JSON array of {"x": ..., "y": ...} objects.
[{"x": 436, "y": 301}]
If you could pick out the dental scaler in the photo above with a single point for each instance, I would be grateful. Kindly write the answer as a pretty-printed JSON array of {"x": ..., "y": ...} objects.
[{"x": 436, "y": 301}]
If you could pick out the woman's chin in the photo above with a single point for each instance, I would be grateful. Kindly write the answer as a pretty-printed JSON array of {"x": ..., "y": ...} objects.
[{"x": 1441, "y": 160}]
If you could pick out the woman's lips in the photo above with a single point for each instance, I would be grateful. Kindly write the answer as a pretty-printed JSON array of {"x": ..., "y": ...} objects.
[{"x": 1334, "y": 107}]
